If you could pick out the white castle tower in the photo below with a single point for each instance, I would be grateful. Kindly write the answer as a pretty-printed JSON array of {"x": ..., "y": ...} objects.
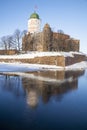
[{"x": 34, "y": 23}]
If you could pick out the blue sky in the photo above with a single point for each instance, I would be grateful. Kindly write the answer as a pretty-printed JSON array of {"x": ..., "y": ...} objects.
[{"x": 68, "y": 15}]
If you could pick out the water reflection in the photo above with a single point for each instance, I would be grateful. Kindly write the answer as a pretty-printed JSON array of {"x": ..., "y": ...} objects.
[
  {"x": 45, "y": 84},
  {"x": 48, "y": 84},
  {"x": 12, "y": 84}
]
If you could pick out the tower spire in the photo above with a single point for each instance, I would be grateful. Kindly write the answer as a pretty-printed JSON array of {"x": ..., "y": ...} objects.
[{"x": 35, "y": 8}]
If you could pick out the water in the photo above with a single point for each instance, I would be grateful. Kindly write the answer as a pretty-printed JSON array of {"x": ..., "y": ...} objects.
[{"x": 43, "y": 100}]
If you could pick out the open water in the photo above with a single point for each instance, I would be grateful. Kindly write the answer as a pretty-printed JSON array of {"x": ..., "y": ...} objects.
[{"x": 44, "y": 100}]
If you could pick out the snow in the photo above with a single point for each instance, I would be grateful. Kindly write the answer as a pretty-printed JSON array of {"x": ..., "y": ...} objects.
[
  {"x": 22, "y": 67},
  {"x": 77, "y": 66},
  {"x": 39, "y": 54}
]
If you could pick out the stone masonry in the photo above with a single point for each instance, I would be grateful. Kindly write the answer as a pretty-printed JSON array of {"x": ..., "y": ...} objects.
[
  {"x": 47, "y": 40},
  {"x": 49, "y": 60}
]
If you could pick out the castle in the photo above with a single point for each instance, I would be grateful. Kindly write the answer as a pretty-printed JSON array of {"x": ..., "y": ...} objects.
[{"x": 47, "y": 40}]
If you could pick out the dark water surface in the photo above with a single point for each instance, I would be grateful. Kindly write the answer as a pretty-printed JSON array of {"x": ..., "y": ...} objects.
[{"x": 44, "y": 100}]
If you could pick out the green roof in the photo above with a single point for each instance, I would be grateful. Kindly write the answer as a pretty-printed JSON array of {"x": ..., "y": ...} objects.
[{"x": 34, "y": 15}]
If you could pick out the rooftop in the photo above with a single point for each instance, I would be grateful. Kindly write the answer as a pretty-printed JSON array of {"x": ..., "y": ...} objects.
[{"x": 34, "y": 15}]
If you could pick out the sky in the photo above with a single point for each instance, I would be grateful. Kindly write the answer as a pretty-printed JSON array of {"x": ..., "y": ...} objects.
[{"x": 67, "y": 15}]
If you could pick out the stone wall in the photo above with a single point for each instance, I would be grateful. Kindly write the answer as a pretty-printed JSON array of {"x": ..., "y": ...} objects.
[
  {"x": 50, "y": 60},
  {"x": 60, "y": 35},
  {"x": 27, "y": 42},
  {"x": 72, "y": 60},
  {"x": 8, "y": 52},
  {"x": 49, "y": 41}
]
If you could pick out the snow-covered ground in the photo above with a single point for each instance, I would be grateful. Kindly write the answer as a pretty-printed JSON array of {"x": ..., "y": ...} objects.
[
  {"x": 22, "y": 67},
  {"x": 33, "y": 54}
]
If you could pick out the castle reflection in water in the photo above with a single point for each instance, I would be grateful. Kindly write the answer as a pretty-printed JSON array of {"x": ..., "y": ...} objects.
[{"x": 40, "y": 85}]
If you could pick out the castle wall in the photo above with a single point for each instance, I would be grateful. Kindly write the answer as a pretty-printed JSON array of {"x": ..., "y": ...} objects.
[
  {"x": 27, "y": 42},
  {"x": 50, "y": 60},
  {"x": 72, "y": 60},
  {"x": 49, "y": 41},
  {"x": 8, "y": 52},
  {"x": 60, "y": 35},
  {"x": 34, "y": 25}
]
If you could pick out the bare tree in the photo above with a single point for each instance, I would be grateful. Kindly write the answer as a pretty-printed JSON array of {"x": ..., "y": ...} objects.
[
  {"x": 13, "y": 41},
  {"x": 24, "y": 32},
  {"x": 60, "y": 31},
  {"x": 7, "y": 42},
  {"x": 17, "y": 36},
  {"x": 10, "y": 42},
  {"x": 17, "y": 39},
  {"x": 4, "y": 42}
]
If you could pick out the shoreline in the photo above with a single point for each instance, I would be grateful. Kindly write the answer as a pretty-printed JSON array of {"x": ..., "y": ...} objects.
[{"x": 24, "y": 67}]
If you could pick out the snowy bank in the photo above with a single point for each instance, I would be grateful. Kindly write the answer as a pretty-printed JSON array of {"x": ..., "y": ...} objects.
[
  {"x": 47, "y": 58},
  {"x": 44, "y": 62},
  {"x": 33, "y": 54},
  {"x": 22, "y": 67}
]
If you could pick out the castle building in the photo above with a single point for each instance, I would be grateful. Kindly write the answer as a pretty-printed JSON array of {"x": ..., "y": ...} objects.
[
  {"x": 47, "y": 40},
  {"x": 34, "y": 23}
]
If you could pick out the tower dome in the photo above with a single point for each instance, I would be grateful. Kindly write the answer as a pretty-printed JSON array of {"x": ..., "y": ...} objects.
[
  {"x": 35, "y": 16},
  {"x": 34, "y": 23}
]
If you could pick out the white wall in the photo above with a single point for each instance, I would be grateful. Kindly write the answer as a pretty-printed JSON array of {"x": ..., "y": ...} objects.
[{"x": 34, "y": 25}]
